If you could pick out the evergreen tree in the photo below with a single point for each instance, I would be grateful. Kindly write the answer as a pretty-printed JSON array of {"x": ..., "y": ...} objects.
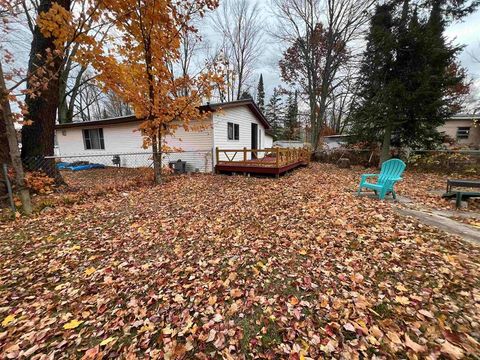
[
  {"x": 410, "y": 82},
  {"x": 274, "y": 112},
  {"x": 374, "y": 114},
  {"x": 261, "y": 94},
  {"x": 433, "y": 83},
  {"x": 291, "y": 125},
  {"x": 246, "y": 96}
]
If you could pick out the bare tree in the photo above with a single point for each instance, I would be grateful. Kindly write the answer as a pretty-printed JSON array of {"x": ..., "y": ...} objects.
[
  {"x": 89, "y": 101},
  {"x": 9, "y": 11},
  {"x": 319, "y": 46},
  {"x": 240, "y": 24},
  {"x": 113, "y": 106},
  {"x": 8, "y": 121},
  {"x": 342, "y": 98}
]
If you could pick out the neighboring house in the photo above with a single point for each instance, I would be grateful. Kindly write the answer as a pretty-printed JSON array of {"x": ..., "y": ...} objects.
[
  {"x": 463, "y": 128},
  {"x": 335, "y": 141},
  {"x": 292, "y": 144},
  {"x": 233, "y": 125}
]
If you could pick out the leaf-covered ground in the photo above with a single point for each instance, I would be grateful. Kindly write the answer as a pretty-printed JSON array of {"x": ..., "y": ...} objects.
[{"x": 236, "y": 267}]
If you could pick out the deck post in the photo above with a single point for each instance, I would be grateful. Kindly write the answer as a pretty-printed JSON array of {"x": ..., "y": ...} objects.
[
  {"x": 277, "y": 156},
  {"x": 244, "y": 154},
  {"x": 217, "y": 152}
]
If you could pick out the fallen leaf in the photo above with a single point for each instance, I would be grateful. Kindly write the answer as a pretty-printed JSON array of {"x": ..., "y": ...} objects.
[
  {"x": 413, "y": 345},
  {"x": 178, "y": 298},
  {"x": 236, "y": 293},
  {"x": 89, "y": 271},
  {"x": 394, "y": 337},
  {"x": 349, "y": 327},
  {"x": 72, "y": 324},
  {"x": 454, "y": 352},
  {"x": 402, "y": 300},
  {"x": 293, "y": 300},
  {"x": 211, "y": 335},
  {"x": 426, "y": 313},
  {"x": 212, "y": 300},
  {"x": 107, "y": 341},
  {"x": 8, "y": 320}
]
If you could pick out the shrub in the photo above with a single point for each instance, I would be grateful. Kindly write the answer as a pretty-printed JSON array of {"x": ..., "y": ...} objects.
[{"x": 446, "y": 162}]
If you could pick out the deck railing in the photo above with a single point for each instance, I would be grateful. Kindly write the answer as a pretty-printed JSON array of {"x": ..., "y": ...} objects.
[{"x": 273, "y": 157}]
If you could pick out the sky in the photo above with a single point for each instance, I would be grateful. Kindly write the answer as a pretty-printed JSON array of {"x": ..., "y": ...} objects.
[{"x": 466, "y": 32}]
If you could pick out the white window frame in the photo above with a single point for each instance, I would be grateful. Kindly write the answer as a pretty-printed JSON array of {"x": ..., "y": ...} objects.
[
  {"x": 235, "y": 131},
  {"x": 100, "y": 135}
]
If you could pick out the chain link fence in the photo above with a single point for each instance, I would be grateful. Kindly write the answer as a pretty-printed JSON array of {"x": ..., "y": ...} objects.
[
  {"x": 446, "y": 161},
  {"x": 102, "y": 172},
  {"x": 440, "y": 161},
  {"x": 363, "y": 157},
  {"x": 192, "y": 161}
]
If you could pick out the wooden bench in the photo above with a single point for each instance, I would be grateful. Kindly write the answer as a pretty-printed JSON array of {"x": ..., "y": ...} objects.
[{"x": 459, "y": 194}]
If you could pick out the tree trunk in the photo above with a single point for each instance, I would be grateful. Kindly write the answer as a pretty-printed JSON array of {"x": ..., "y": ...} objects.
[
  {"x": 11, "y": 135},
  {"x": 157, "y": 159},
  {"x": 38, "y": 138},
  {"x": 4, "y": 151},
  {"x": 387, "y": 138}
]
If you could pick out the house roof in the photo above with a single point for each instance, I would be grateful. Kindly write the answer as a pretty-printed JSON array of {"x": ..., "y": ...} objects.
[
  {"x": 336, "y": 136},
  {"x": 464, "y": 117},
  {"x": 207, "y": 107}
]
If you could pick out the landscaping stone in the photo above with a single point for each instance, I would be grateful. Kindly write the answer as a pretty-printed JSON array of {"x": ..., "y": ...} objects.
[{"x": 344, "y": 163}]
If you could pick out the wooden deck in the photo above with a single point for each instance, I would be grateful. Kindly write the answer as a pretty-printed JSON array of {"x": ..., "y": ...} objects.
[{"x": 275, "y": 161}]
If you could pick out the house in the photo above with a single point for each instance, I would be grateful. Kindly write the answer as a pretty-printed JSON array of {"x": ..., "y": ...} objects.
[
  {"x": 332, "y": 142},
  {"x": 231, "y": 125},
  {"x": 292, "y": 144},
  {"x": 464, "y": 129}
]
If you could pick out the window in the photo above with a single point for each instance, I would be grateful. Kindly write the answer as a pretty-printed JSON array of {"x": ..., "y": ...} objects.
[
  {"x": 233, "y": 131},
  {"x": 463, "y": 132},
  {"x": 93, "y": 139}
]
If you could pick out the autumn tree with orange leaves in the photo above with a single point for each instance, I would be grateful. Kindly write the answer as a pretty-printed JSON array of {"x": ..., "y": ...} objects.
[{"x": 137, "y": 58}]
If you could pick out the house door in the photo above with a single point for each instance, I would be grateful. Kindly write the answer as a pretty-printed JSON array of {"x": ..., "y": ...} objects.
[{"x": 254, "y": 139}]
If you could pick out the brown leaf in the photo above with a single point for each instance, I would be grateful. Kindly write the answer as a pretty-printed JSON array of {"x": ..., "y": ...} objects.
[
  {"x": 236, "y": 293},
  {"x": 413, "y": 345},
  {"x": 454, "y": 352}
]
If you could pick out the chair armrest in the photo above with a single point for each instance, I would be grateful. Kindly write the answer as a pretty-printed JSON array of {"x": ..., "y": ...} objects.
[
  {"x": 364, "y": 176},
  {"x": 397, "y": 179}
]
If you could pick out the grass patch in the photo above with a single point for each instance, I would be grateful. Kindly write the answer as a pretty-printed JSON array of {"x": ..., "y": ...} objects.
[
  {"x": 256, "y": 326},
  {"x": 383, "y": 310}
]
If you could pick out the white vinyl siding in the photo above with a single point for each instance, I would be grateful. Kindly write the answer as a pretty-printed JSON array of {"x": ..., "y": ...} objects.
[
  {"x": 268, "y": 141},
  {"x": 242, "y": 116},
  {"x": 198, "y": 146},
  {"x": 195, "y": 147}
]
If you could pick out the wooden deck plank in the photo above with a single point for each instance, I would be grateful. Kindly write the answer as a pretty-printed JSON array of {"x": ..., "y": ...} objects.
[
  {"x": 278, "y": 161},
  {"x": 252, "y": 169}
]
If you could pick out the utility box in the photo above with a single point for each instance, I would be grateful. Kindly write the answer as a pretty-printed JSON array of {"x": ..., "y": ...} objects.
[
  {"x": 179, "y": 166},
  {"x": 116, "y": 160}
]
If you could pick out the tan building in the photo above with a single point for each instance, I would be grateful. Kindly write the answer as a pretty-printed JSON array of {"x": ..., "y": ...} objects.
[{"x": 464, "y": 129}]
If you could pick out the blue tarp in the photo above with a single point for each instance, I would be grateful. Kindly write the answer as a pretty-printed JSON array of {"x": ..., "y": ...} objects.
[
  {"x": 70, "y": 166},
  {"x": 62, "y": 165}
]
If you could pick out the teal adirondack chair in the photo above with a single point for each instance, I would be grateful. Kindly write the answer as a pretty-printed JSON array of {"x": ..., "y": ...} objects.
[{"x": 390, "y": 173}]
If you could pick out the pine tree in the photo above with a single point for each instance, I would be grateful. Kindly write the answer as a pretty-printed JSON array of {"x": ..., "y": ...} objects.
[
  {"x": 246, "y": 96},
  {"x": 433, "y": 83},
  {"x": 374, "y": 114},
  {"x": 261, "y": 94},
  {"x": 274, "y": 112},
  {"x": 292, "y": 127},
  {"x": 410, "y": 82}
]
